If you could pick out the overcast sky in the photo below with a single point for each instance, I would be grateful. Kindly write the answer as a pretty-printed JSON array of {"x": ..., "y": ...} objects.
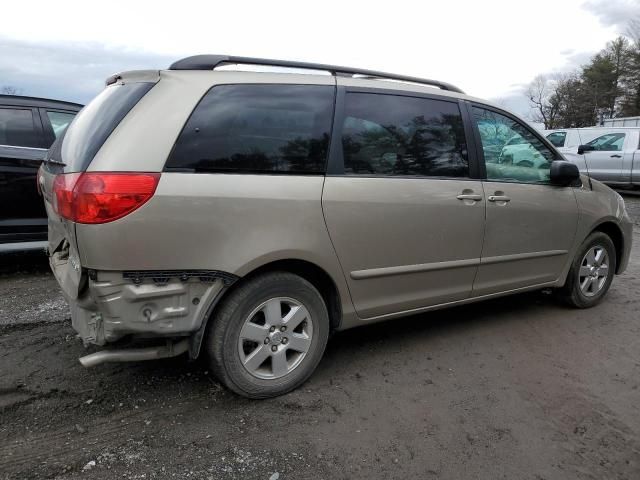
[{"x": 489, "y": 48}]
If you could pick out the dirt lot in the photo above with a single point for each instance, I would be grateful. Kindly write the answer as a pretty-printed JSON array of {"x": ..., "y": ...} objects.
[{"x": 517, "y": 388}]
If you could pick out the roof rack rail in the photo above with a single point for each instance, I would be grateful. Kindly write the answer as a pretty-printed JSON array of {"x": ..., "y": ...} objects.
[{"x": 209, "y": 62}]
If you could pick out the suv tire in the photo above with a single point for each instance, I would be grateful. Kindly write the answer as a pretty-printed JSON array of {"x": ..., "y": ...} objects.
[
  {"x": 586, "y": 286},
  {"x": 277, "y": 316}
]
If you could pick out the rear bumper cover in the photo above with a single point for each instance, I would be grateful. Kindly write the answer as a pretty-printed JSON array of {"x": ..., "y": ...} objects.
[{"x": 144, "y": 304}]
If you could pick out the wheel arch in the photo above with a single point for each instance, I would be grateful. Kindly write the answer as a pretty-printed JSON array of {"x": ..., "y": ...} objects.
[
  {"x": 310, "y": 271},
  {"x": 613, "y": 231}
]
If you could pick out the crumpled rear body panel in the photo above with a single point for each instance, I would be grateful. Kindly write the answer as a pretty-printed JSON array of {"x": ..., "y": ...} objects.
[{"x": 113, "y": 306}]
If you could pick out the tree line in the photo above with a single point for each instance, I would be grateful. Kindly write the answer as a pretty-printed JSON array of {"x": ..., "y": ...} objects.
[
  {"x": 608, "y": 86},
  {"x": 10, "y": 90}
]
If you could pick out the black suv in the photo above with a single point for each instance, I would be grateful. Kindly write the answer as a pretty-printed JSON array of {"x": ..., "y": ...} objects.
[{"x": 28, "y": 127}]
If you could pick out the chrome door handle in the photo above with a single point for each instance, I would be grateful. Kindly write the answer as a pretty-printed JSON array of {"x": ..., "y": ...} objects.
[
  {"x": 498, "y": 198},
  {"x": 470, "y": 196}
]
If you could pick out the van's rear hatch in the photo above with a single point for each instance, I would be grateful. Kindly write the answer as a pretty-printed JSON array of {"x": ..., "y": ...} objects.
[{"x": 72, "y": 153}]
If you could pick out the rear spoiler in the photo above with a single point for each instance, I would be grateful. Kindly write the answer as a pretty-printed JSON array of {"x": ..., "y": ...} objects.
[{"x": 134, "y": 76}]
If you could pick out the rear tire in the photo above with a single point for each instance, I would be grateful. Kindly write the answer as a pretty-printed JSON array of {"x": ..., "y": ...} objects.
[
  {"x": 268, "y": 335},
  {"x": 591, "y": 272}
]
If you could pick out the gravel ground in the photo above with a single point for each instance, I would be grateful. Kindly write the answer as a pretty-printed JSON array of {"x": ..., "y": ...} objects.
[{"x": 520, "y": 387}]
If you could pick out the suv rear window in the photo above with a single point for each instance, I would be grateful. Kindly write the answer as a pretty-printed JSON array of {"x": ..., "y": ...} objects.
[
  {"x": 94, "y": 123},
  {"x": 17, "y": 128},
  {"x": 257, "y": 129}
]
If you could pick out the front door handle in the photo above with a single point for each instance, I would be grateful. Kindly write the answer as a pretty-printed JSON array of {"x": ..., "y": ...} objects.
[
  {"x": 498, "y": 198},
  {"x": 470, "y": 196},
  {"x": 615, "y": 155}
]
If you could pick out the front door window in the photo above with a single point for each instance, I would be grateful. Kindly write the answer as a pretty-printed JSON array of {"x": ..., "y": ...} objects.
[
  {"x": 512, "y": 153},
  {"x": 611, "y": 142}
]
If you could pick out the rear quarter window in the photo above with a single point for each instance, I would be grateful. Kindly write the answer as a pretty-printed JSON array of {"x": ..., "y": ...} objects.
[{"x": 257, "y": 129}]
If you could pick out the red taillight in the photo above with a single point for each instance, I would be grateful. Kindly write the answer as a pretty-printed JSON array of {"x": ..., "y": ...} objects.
[{"x": 101, "y": 197}]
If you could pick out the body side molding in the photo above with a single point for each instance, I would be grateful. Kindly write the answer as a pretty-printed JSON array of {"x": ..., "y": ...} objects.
[{"x": 429, "y": 267}]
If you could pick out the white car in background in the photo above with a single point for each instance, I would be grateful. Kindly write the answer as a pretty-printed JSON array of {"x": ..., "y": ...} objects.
[{"x": 608, "y": 154}]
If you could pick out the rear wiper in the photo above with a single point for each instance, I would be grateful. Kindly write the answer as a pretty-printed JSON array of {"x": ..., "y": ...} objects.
[
  {"x": 55, "y": 162},
  {"x": 48, "y": 159}
]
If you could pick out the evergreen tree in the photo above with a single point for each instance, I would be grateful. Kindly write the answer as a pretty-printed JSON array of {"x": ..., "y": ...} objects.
[{"x": 608, "y": 86}]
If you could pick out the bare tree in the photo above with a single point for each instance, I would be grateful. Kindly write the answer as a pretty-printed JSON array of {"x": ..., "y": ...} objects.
[
  {"x": 10, "y": 90},
  {"x": 607, "y": 86},
  {"x": 541, "y": 95},
  {"x": 630, "y": 83},
  {"x": 500, "y": 101}
]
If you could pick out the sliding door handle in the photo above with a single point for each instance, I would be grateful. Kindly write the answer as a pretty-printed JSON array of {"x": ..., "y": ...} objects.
[
  {"x": 470, "y": 196},
  {"x": 498, "y": 198}
]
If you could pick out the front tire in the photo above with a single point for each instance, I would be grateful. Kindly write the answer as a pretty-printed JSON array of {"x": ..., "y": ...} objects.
[
  {"x": 591, "y": 272},
  {"x": 268, "y": 335}
]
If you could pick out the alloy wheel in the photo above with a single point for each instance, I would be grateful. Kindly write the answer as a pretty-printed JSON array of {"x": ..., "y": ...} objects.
[
  {"x": 275, "y": 338},
  {"x": 594, "y": 271}
]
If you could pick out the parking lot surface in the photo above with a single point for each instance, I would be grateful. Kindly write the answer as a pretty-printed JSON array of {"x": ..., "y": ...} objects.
[{"x": 520, "y": 387}]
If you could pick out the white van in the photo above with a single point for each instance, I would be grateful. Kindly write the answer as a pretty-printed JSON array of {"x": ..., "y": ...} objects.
[{"x": 608, "y": 154}]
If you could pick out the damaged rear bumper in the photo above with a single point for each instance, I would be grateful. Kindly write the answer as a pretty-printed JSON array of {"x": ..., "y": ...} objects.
[
  {"x": 166, "y": 305},
  {"x": 171, "y": 349}
]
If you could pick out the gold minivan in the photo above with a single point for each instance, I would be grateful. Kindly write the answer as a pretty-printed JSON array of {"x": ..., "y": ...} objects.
[{"x": 248, "y": 214}]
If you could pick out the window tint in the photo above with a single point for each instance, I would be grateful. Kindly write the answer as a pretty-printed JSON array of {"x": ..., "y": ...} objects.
[
  {"x": 611, "y": 142},
  {"x": 527, "y": 161},
  {"x": 59, "y": 121},
  {"x": 17, "y": 128},
  {"x": 95, "y": 122},
  {"x": 257, "y": 128},
  {"x": 517, "y": 140},
  {"x": 395, "y": 135},
  {"x": 557, "y": 138}
]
